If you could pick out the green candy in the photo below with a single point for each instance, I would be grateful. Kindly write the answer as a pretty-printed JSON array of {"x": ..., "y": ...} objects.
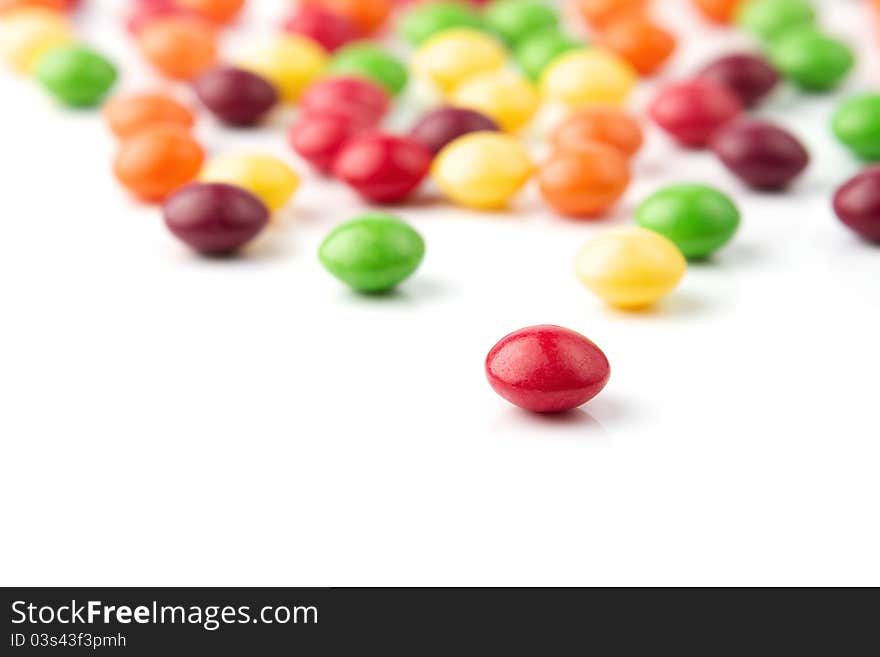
[
  {"x": 369, "y": 61},
  {"x": 537, "y": 52},
  {"x": 812, "y": 60},
  {"x": 856, "y": 124},
  {"x": 515, "y": 20},
  {"x": 76, "y": 75},
  {"x": 768, "y": 19},
  {"x": 698, "y": 219},
  {"x": 424, "y": 21},
  {"x": 372, "y": 253}
]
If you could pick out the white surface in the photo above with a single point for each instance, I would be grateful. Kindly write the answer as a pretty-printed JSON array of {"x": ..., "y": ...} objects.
[{"x": 171, "y": 420}]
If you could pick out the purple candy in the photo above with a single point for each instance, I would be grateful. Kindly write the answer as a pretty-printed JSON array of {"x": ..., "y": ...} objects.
[
  {"x": 750, "y": 77},
  {"x": 446, "y": 124},
  {"x": 214, "y": 218},
  {"x": 236, "y": 96},
  {"x": 763, "y": 155},
  {"x": 857, "y": 204}
]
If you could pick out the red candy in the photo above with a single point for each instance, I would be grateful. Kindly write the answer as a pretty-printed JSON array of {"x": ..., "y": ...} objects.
[
  {"x": 350, "y": 95},
  {"x": 692, "y": 111},
  {"x": 857, "y": 204},
  {"x": 763, "y": 155},
  {"x": 383, "y": 168},
  {"x": 750, "y": 77},
  {"x": 547, "y": 369},
  {"x": 319, "y": 137},
  {"x": 331, "y": 30}
]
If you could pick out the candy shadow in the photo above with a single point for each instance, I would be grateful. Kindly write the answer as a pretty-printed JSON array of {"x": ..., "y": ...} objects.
[
  {"x": 678, "y": 304},
  {"x": 576, "y": 423},
  {"x": 411, "y": 292}
]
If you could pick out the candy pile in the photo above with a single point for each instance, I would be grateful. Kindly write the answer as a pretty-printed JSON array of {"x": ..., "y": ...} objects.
[{"x": 494, "y": 65}]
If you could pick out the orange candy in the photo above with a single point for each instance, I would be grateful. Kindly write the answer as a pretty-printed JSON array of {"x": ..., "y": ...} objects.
[
  {"x": 605, "y": 125},
  {"x": 129, "y": 114},
  {"x": 368, "y": 15},
  {"x": 720, "y": 11},
  {"x": 586, "y": 182},
  {"x": 157, "y": 161},
  {"x": 218, "y": 11},
  {"x": 639, "y": 40},
  {"x": 599, "y": 12},
  {"x": 180, "y": 48},
  {"x": 57, "y": 5}
]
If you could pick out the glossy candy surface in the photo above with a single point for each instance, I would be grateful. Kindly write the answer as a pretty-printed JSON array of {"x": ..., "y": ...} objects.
[
  {"x": 506, "y": 97},
  {"x": 606, "y": 125},
  {"x": 630, "y": 267},
  {"x": 372, "y": 62},
  {"x": 698, "y": 219},
  {"x": 373, "y": 253},
  {"x": 450, "y": 57},
  {"x": 319, "y": 137},
  {"x": 214, "y": 218},
  {"x": 856, "y": 124},
  {"x": 157, "y": 161},
  {"x": 750, "y": 77},
  {"x": 640, "y": 41},
  {"x": 515, "y": 20},
  {"x": 77, "y": 76},
  {"x": 424, "y": 20},
  {"x": 235, "y": 96},
  {"x": 383, "y": 168},
  {"x": 763, "y": 155},
  {"x": 482, "y": 170},
  {"x": 290, "y": 62},
  {"x": 128, "y": 114},
  {"x": 441, "y": 126},
  {"x": 328, "y": 29},
  {"x": 812, "y": 60},
  {"x": 768, "y": 19},
  {"x": 857, "y": 204},
  {"x": 584, "y": 182},
  {"x": 179, "y": 47},
  {"x": 363, "y": 99},
  {"x": 589, "y": 76},
  {"x": 692, "y": 111},
  {"x": 265, "y": 176},
  {"x": 547, "y": 369},
  {"x": 537, "y": 51}
]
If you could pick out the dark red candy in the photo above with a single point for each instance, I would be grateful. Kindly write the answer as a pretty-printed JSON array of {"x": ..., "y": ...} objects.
[
  {"x": 857, "y": 204},
  {"x": 547, "y": 369},
  {"x": 750, "y": 77},
  {"x": 383, "y": 168},
  {"x": 692, "y": 111},
  {"x": 327, "y": 28},
  {"x": 351, "y": 95},
  {"x": 214, "y": 218},
  {"x": 763, "y": 155},
  {"x": 318, "y": 137},
  {"x": 236, "y": 96},
  {"x": 446, "y": 124}
]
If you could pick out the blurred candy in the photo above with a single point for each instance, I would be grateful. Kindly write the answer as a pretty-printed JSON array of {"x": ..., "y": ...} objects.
[
  {"x": 589, "y": 76},
  {"x": 444, "y": 125},
  {"x": 368, "y": 15},
  {"x": 450, "y": 57},
  {"x": 698, "y": 219},
  {"x": 330, "y": 30},
  {"x": 290, "y": 62},
  {"x": 483, "y": 170},
  {"x": 213, "y": 218},
  {"x": 606, "y": 125},
  {"x": 266, "y": 176},
  {"x": 372, "y": 62},
  {"x": 235, "y": 96},
  {"x": 363, "y": 99},
  {"x": 856, "y": 124},
  {"x": 218, "y": 11},
  {"x": 373, "y": 253},
  {"x": 720, "y": 11},
  {"x": 158, "y": 160},
  {"x": 515, "y": 20},
  {"x": 750, "y": 77},
  {"x": 810, "y": 59},
  {"x": 857, "y": 204},
  {"x": 692, "y": 111},
  {"x": 422, "y": 21},
  {"x": 76, "y": 75},
  {"x": 640, "y": 41},
  {"x": 584, "y": 182},
  {"x": 179, "y": 47},
  {"x": 319, "y": 137},
  {"x": 128, "y": 114},
  {"x": 383, "y": 168},
  {"x": 630, "y": 267},
  {"x": 27, "y": 34},
  {"x": 768, "y": 19},
  {"x": 598, "y": 13},
  {"x": 537, "y": 51},
  {"x": 763, "y": 155},
  {"x": 504, "y": 96}
]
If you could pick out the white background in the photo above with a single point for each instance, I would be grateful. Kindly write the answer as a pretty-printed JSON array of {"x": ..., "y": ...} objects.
[{"x": 168, "y": 420}]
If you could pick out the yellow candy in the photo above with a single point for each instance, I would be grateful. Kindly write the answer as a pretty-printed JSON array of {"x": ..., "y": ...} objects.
[
  {"x": 449, "y": 57},
  {"x": 26, "y": 34},
  {"x": 589, "y": 76},
  {"x": 263, "y": 175},
  {"x": 630, "y": 267},
  {"x": 290, "y": 62},
  {"x": 504, "y": 96},
  {"x": 482, "y": 170}
]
